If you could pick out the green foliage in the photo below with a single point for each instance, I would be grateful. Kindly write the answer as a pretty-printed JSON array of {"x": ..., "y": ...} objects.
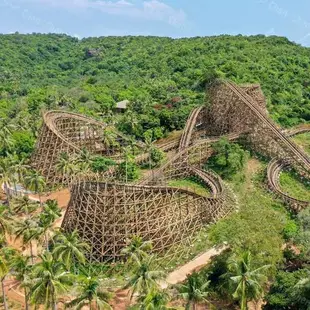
[
  {"x": 229, "y": 158},
  {"x": 283, "y": 292},
  {"x": 190, "y": 184},
  {"x": 128, "y": 171},
  {"x": 157, "y": 156},
  {"x": 290, "y": 230},
  {"x": 163, "y": 78},
  {"x": 246, "y": 231},
  {"x": 23, "y": 143},
  {"x": 101, "y": 164},
  {"x": 292, "y": 184}
]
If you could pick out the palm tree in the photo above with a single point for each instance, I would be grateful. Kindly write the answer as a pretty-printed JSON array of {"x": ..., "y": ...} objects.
[
  {"x": 84, "y": 156},
  {"x": 6, "y": 129},
  {"x": 27, "y": 230},
  {"x": 21, "y": 270},
  {"x": 7, "y": 176},
  {"x": 51, "y": 210},
  {"x": 65, "y": 165},
  {"x": 68, "y": 248},
  {"x": 4, "y": 270},
  {"x": 90, "y": 294},
  {"x": 155, "y": 300},
  {"x": 137, "y": 249},
  {"x": 19, "y": 167},
  {"x": 35, "y": 182},
  {"x": 144, "y": 278},
  {"x": 194, "y": 291},
  {"x": 23, "y": 205},
  {"x": 108, "y": 138},
  {"x": 50, "y": 280},
  {"x": 247, "y": 283},
  {"x": 5, "y": 220}
]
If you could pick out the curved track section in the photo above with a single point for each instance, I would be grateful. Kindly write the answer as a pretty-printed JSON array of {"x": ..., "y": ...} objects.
[
  {"x": 70, "y": 133},
  {"x": 273, "y": 173},
  {"x": 106, "y": 214},
  {"x": 289, "y": 145},
  {"x": 189, "y": 128},
  {"x": 274, "y": 170}
]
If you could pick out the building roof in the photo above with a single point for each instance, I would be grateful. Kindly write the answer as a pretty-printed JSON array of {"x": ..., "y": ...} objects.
[{"x": 122, "y": 104}]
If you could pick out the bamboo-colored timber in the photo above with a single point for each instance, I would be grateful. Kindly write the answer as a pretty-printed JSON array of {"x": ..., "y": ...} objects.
[{"x": 106, "y": 213}]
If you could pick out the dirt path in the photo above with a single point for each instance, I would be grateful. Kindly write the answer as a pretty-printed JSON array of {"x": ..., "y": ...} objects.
[{"x": 180, "y": 274}]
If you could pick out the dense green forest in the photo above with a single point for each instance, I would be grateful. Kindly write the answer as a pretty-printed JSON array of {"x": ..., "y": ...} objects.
[
  {"x": 268, "y": 252},
  {"x": 162, "y": 77}
]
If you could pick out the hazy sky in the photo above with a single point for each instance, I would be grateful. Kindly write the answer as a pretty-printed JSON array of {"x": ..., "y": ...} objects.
[{"x": 174, "y": 18}]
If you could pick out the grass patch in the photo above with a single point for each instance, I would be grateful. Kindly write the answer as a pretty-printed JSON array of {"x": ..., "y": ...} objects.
[
  {"x": 190, "y": 184},
  {"x": 293, "y": 186},
  {"x": 259, "y": 224},
  {"x": 303, "y": 140}
]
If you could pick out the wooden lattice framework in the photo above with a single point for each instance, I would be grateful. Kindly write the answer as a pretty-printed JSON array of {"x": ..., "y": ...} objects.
[
  {"x": 106, "y": 213},
  {"x": 70, "y": 133}
]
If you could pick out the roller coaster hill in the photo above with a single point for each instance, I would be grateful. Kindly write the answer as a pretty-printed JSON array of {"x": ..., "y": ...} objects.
[{"x": 106, "y": 212}]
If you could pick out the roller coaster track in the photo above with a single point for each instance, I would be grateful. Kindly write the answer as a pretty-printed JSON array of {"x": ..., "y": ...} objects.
[
  {"x": 302, "y": 157},
  {"x": 274, "y": 170},
  {"x": 189, "y": 127},
  {"x": 105, "y": 212}
]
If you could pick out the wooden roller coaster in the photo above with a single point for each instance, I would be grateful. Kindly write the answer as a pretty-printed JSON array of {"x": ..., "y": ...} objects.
[{"x": 105, "y": 213}]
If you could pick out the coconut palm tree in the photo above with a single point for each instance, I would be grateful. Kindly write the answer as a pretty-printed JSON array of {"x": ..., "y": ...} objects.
[
  {"x": 27, "y": 230},
  {"x": 50, "y": 280},
  {"x": 155, "y": 300},
  {"x": 91, "y": 295},
  {"x": 7, "y": 176},
  {"x": 23, "y": 205},
  {"x": 247, "y": 282},
  {"x": 84, "y": 156},
  {"x": 65, "y": 165},
  {"x": 35, "y": 182},
  {"x": 149, "y": 147},
  {"x": 51, "y": 210},
  {"x": 194, "y": 291},
  {"x": 5, "y": 220},
  {"x": 69, "y": 249},
  {"x": 6, "y": 129},
  {"x": 108, "y": 138},
  {"x": 144, "y": 278},
  {"x": 137, "y": 249},
  {"x": 21, "y": 270},
  {"x": 4, "y": 270}
]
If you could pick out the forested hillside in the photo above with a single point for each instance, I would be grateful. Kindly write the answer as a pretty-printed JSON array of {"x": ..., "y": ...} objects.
[{"x": 162, "y": 77}]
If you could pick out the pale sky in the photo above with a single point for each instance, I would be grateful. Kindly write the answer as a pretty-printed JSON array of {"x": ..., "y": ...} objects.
[{"x": 173, "y": 18}]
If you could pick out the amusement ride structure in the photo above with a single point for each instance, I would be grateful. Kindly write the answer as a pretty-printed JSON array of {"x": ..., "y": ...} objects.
[{"x": 106, "y": 212}]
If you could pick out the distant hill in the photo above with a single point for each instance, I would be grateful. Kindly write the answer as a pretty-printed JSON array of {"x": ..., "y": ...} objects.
[{"x": 162, "y": 77}]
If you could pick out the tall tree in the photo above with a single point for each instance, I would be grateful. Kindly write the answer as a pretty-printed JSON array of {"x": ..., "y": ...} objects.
[
  {"x": 91, "y": 295},
  {"x": 154, "y": 300},
  {"x": 4, "y": 270},
  {"x": 5, "y": 220},
  {"x": 35, "y": 182},
  {"x": 66, "y": 166},
  {"x": 7, "y": 176},
  {"x": 145, "y": 278},
  {"x": 195, "y": 290},
  {"x": 50, "y": 281},
  {"x": 247, "y": 282},
  {"x": 21, "y": 270},
  {"x": 27, "y": 230},
  {"x": 24, "y": 205},
  {"x": 69, "y": 249},
  {"x": 137, "y": 249}
]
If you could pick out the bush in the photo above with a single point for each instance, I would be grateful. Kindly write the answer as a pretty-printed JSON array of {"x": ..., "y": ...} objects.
[{"x": 101, "y": 164}]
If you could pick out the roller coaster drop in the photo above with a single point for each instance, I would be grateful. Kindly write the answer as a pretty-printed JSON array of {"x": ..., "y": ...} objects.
[{"x": 105, "y": 213}]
